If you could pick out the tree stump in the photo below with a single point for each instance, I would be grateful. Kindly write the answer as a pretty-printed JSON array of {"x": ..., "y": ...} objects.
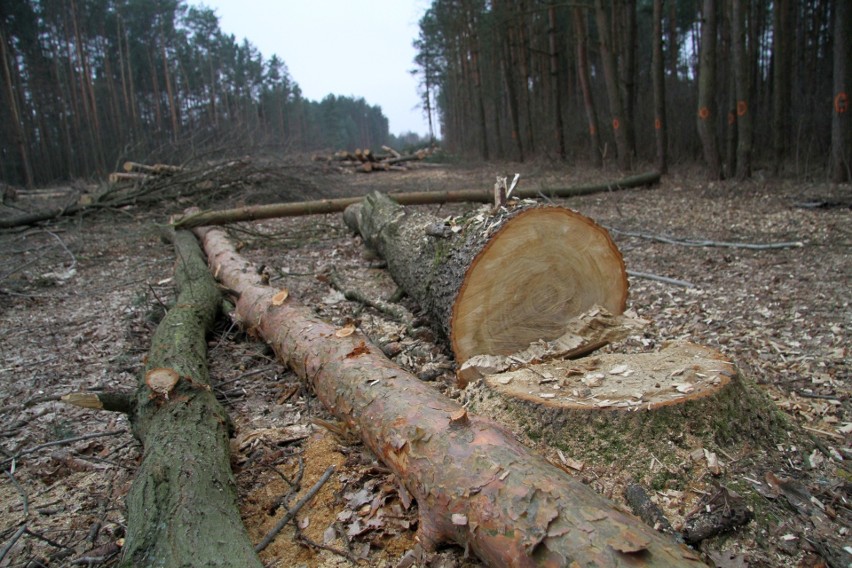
[
  {"x": 496, "y": 282},
  {"x": 658, "y": 417}
]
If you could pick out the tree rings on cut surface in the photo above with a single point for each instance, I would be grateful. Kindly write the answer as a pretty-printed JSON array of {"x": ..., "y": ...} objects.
[
  {"x": 640, "y": 382},
  {"x": 162, "y": 380},
  {"x": 496, "y": 281},
  {"x": 543, "y": 268}
]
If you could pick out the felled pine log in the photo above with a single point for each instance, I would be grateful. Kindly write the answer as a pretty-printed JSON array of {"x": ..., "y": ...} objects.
[
  {"x": 127, "y": 177},
  {"x": 495, "y": 283},
  {"x": 474, "y": 483},
  {"x": 259, "y": 212},
  {"x": 156, "y": 169},
  {"x": 182, "y": 505}
]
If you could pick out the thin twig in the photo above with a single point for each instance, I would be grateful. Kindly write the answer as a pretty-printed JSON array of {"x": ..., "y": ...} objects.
[
  {"x": 62, "y": 442},
  {"x": 395, "y": 311},
  {"x": 22, "y": 529},
  {"x": 62, "y": 244},
  {"x": 665, "y": 279},
  {"x": 292, "y": 512},
  {"x": 313, "y": 544}
]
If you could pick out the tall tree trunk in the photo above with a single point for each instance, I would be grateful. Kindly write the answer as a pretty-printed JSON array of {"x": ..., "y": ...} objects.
[
  {"x": 524, "y": 58},
  {"x": 88, "y": 93},
  {"x": 841, "y": 123},
  {"x": 731, "y": 129},
  {"x": 554, "y": 80},
  {"x": 659, "y": 81},
  {"x": 741, "y": 76},
  {"x": 173, "y": 109},
  {"x": 20, "y": 133},
  {"x": 672, "y": 39},
  {"x": 729, "y": 163},
  {"x": 585, "y": 87},
  {"x": 627, "y": 70},
  {"x": 616, "y": 110},
  {"x": 473, "y": 48},
  {"x": 508, "y": 66},
  {"x": 707, "y": 90},
  {"x": 780, "y": 82}
]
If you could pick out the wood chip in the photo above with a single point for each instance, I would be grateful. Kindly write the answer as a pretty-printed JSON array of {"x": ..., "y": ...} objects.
[{"x": 345, "y": 331}]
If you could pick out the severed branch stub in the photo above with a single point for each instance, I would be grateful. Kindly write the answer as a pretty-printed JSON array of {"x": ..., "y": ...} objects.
[{"x": 161, "y": 381}]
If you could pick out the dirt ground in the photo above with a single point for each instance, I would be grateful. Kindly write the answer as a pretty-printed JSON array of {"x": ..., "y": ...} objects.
[{"x": 81, "y": 296}]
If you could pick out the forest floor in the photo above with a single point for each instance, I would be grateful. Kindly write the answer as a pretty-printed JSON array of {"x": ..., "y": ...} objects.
[{"x": 80, "y": 298}]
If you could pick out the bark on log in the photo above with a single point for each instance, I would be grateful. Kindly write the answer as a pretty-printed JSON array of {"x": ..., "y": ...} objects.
[
  {"x": 256, "y": 213},
  {"x": 181, "y": 509},
  {"x": 496, "y": 283},
  {"x": 474, "y": 483}
]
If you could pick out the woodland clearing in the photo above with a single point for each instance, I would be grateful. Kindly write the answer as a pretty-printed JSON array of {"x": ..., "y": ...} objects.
[{"x": 80, "y": 297}]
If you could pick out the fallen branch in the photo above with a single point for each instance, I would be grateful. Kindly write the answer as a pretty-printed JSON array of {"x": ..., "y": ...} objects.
[
  {"x": 127, "y": 177},
  {"x": 291, "y": 513},
  {"x": 395, "y": 311},
  {"x": 475, "y": 484},
  {"x": 664, "y": 279},
  {"x": 706, "y": 242},
  {"x": 63, "y": 442},
  {"x": 26, "y": 515},
  {"x": 258, "y": 212}
]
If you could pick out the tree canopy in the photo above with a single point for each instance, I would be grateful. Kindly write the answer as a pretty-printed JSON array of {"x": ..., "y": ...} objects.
[{"x": 86, "y": 83}]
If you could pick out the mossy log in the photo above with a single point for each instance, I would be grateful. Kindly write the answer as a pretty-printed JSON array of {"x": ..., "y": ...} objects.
[
  {"x": 496, "y": 282},
  {"x": 474, "y": 483},
  {"x": 182, "y": 506}
]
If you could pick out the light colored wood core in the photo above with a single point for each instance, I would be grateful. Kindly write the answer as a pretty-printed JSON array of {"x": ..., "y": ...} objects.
[
  {"x": 637, "y": 382},
  {"x": 542, "y": 269}
]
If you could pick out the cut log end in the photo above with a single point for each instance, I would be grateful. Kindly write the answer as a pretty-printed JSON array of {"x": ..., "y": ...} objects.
[
  {"x": 615, "y": 382},
  {"x": 543, "y": 268},
  {"x": 162, "y": 380}
]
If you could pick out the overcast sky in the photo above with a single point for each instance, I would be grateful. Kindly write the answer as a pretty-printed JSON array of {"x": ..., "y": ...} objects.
[{"x": 340, "y": 47}]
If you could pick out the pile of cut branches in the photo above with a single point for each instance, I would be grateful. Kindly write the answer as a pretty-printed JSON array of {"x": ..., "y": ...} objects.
[{"x": 142, "y": 184}]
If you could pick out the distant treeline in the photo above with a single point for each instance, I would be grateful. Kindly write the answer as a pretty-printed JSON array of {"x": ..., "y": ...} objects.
[
  {"x": 87, "y": 83},
  {"x": 736, "y": 84}
]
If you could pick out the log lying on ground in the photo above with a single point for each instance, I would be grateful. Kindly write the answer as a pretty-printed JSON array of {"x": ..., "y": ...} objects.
[
  {"x": 181, "y": 509},
  {"x": 156, "y": 169},
  {"x": 496, "y": 283},
  {"x": 271, "y": 211},
  {"x": 474, "y": 483}
]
